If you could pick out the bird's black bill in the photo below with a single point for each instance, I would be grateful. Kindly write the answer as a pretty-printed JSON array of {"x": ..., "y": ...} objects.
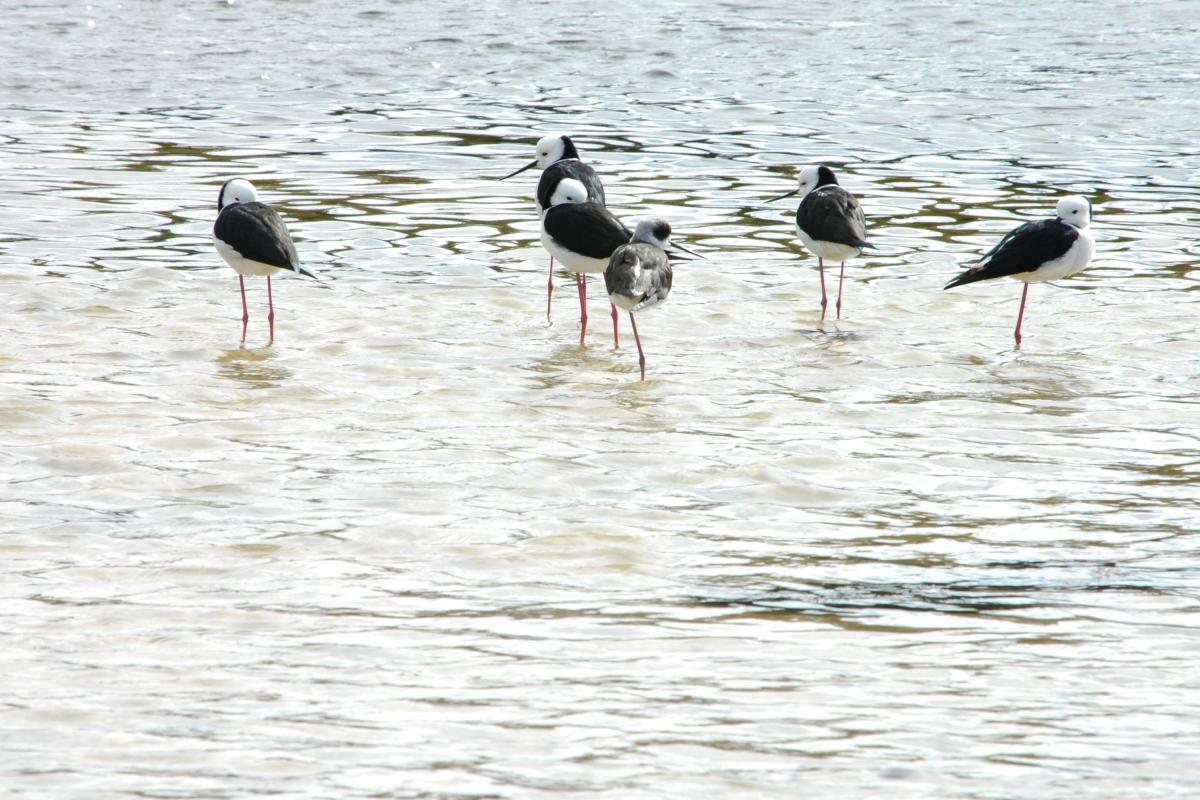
[
  {"x": 789, "y": 194},
  {"x": 676, "y": 246},
  {"x": 519, "y": 171}
]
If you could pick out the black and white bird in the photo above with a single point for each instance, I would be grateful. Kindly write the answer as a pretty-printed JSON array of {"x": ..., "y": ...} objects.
[
  {"x": 582, "y": 235},
  {"x": 252, "y": 239},
  {"x": 639, "y": 274},
  {"x": 1046, "y": 250},
  {"x": 829, "y": 222},
  {"x": 558, "y": 159}
]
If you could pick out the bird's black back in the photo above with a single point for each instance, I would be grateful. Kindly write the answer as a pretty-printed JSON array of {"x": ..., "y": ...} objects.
[
  {"x": 1024, "y": 249},
  {"x": 257, "y": 232},
  {"x": 589, "y": 229},
  {"x": 569, "y": 168},
  {"x": 829, "y": 213}
]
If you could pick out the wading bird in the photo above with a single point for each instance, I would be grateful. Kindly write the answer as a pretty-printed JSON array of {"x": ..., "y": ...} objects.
[
  {"x": 1046, "y": 250},
  {"x": 582, "y": 235},
  {"x": 559, "y": 160},
  {"x": 829, "y": 222},
  {"x": 252, "y": 239},
  {"x": 639, "y": 274}
]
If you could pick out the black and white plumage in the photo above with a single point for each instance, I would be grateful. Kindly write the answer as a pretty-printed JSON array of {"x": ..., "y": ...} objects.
[
  {"x": 829, "y": 222},
  {"x": 559, "y": 160},
  {"x": 639, "y": 274},
  {"x": 582, "y": 235},
  {"x": 579, "y": 233},
  {"x": 252, "y": 239},
  {"x": 1046, "y": 250}
]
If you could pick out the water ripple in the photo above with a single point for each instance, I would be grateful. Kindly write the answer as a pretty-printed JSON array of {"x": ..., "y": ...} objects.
[{"x": 424, "y": 545}]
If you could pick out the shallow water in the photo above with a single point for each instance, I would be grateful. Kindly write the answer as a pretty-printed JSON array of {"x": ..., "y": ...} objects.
[{"x": 426, "y": 546}]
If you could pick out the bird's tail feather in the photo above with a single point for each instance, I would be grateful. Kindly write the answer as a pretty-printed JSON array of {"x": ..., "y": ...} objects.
[
  {"x": 649, "y": 302},
  {"x": 303, "y": 270},
  {"x": 970, "y": 276}
]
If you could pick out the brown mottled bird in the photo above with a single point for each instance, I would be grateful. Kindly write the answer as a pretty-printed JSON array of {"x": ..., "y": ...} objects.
[{"x": 639, "y": 273}]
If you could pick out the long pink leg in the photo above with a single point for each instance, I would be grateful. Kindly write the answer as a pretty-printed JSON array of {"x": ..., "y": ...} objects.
[
  {"x": 581, "y": 282},
  {"x": 824, "y": 299},
  {"x": 1021, "y": 316},
  {"x": 638, "y": 339},
  {"x": 841, "y": 277},
  {"x": 245, "y": 311},
  {"x": 549, "y": 289},
  {"x": 616, "y": 343},
  {"x": 270, "y": 311}
]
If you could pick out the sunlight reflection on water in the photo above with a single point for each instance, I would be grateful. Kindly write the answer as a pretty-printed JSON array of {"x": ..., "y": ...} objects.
[{"x": 424, "y": 545}]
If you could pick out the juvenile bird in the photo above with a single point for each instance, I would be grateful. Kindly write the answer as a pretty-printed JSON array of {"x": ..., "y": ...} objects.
[{"x": 639, "y": 274}]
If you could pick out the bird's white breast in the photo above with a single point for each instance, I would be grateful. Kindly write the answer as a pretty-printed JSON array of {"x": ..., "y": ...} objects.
[
  {"x": 244, "y": 266},
  {"x": 1070, "y": 262},
  {"x": 571, "y": 260},
  {"x": 830, "y": 251},
  {"x": 623, "y": 302}
]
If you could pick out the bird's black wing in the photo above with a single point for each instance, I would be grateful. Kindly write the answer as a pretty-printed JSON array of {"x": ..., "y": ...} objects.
[
  {"x": 831, "y": 214},
  {"x": 256, "y": 232},
  {"x": 586, "y": 228},
  {"x": 1023, "y": 249}
]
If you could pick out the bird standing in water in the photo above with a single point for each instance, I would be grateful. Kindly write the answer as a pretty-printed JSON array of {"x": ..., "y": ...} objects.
[
  {"x": 639, "y": 274},
  {"x": 559, "y": 160},
  {"x": 1046, "y": 250},
  {"x": 830, "y": 223},
  {"x": 252, "y": 239},
  {"x": 582, "y": 235}
]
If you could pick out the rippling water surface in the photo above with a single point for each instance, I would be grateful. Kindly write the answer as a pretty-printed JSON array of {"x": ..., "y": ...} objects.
[{"x": 426, "y": 546}]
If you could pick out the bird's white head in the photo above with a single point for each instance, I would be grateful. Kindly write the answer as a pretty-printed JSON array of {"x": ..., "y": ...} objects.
[
  {"x": 568, "y": 190},
  {"x": 1075, "y": 211},
  {"x": 816, "y": 177},
  {"x": 237, "y": 190},
  {"x": 550, "y": 149},
  {"x": 554, "y": 148},
  {"x": 810, "y": 178},
  {"x": 653, "y": 231}
]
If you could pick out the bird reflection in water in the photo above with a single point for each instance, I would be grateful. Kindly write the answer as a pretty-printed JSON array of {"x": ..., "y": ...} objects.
[{"x": 252, "y": 367}]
